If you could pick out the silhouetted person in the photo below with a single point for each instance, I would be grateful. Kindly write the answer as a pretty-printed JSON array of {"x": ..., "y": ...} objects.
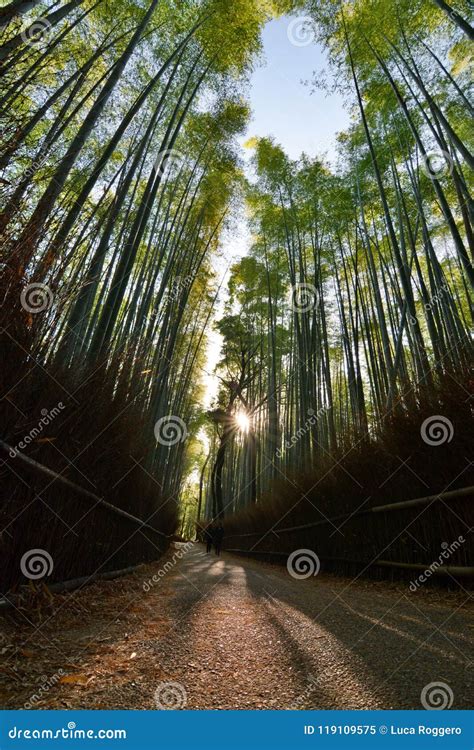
[
  {"x": 208, "y": 537},
  {"x": 218, "y": 537}
]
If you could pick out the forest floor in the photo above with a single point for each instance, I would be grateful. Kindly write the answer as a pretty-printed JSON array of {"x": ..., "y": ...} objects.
[{"x": 233, "y": 633}]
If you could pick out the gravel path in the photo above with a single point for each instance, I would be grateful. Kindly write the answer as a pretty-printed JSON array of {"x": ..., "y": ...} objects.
[{"x": 235, "y": 633}]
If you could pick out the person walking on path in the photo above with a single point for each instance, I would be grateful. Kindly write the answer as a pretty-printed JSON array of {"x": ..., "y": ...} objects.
[
  {"x": 208, "y": 538},
  {"x": 218, "y": 537}
]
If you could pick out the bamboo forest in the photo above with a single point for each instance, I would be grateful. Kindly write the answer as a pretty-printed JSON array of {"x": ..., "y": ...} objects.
[{"x": 215, "y": 335}]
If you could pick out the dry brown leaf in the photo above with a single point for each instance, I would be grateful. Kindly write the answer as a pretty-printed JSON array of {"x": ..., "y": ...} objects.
[{"x": 75, "y": 679}]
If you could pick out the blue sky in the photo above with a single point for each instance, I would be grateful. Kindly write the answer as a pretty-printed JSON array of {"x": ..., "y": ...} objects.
[
  {"x": 282, "y": 106},
  {"x": 299, "y": 121}
]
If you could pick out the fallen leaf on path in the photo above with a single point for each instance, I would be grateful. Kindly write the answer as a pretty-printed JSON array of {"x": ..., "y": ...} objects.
[{"x": 75, "y": 679}]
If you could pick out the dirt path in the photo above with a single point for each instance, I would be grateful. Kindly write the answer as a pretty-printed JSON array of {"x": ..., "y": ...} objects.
[{"x": 233, "y": 633}]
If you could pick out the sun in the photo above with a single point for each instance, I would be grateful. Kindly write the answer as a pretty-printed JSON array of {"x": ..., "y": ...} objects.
[{"x": 242, "y": 421}]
